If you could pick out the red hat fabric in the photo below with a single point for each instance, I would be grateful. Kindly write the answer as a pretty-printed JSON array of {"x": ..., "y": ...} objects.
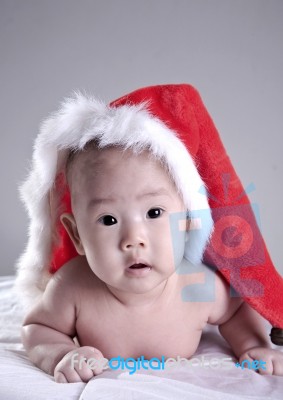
[{"x": 173, "y": 121}]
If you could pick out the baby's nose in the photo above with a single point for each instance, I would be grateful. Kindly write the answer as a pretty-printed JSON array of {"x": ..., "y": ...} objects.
[{"x": 133, "y": 238}]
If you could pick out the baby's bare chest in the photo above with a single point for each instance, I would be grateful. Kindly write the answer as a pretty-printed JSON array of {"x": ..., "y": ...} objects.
[{"x": 170, "y": 331}]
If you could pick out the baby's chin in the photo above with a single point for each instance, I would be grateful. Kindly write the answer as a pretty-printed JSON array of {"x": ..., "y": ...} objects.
[{"x": 140, "y": 288}]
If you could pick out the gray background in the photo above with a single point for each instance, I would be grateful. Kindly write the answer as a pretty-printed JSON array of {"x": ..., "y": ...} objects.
[{"x": 231, "y": 50}]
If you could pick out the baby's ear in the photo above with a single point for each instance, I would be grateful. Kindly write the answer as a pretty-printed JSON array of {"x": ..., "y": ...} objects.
[{"x": 70, "y": 225}]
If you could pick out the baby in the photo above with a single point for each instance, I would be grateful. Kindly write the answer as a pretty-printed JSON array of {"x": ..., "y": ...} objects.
[{"x": 121, "y": 296}]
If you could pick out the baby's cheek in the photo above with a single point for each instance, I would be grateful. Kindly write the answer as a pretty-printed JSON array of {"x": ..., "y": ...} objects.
[
  {"x": 175, "y": 242},
  {"x": 168, "y": 251}
]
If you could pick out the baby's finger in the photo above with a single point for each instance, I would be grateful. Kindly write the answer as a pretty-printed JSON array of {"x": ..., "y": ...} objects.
[
  {"x": 68, "y": 376},
  {"x": 85, "y": 371},
  {"x": 245, "y": 360},
  {"x": 59, "y": 377},
  {"x": 265, "y": 366},
  {"x": 100, "y": 362},
  {"x": 94, "y": 359},
  {"x": 278, "y": 367}
]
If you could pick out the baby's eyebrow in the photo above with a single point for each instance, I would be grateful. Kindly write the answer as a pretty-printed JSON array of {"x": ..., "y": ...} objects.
[
  {"x": 151, "y": 193},
  {"x": 155, "y": 192},
  {"x": 98, "y": 201}
]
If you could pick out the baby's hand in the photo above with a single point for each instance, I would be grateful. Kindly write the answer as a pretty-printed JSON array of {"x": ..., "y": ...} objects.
[
  {"x": 273, "y": 360},
  {"x": 79, "y": 365}
]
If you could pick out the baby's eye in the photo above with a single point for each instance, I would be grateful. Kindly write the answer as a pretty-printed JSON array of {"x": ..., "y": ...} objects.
[
  {"x": 154, "y": 212},
  {"x": 108, "y": 220}
]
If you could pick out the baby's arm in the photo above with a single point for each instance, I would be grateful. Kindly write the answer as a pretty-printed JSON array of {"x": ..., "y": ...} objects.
[
  {"x": 48, "y": 331},
  {"x": 244, "y": 329}
]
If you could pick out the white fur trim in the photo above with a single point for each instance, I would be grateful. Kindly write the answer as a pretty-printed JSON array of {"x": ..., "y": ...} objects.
[{"x": 80, "y": 120}]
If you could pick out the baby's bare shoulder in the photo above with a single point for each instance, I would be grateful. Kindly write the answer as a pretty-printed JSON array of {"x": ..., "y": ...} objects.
[
  {"x": 73, "y": 274},
  {"x": 77, "y": 277},
  {"x": 60, "y": 301}
]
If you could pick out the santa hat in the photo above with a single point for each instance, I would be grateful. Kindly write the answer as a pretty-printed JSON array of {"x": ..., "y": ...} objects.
[{"x": 174, "y": 125}]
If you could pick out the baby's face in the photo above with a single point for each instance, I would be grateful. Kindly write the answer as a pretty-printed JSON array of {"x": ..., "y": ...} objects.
[{"x": 121, "y": 218}]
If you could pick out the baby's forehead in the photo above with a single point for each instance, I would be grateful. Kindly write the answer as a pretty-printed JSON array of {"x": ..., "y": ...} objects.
[
  {"x": 96, "y": 161},
  {"x": 83, "y": 165},
  {"x": 93, "y": 162}
]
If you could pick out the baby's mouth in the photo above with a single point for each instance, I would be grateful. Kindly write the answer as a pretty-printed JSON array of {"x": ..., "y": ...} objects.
[
  {"x": 138, "y": 270},
  {"x": 139, "y": 266}
]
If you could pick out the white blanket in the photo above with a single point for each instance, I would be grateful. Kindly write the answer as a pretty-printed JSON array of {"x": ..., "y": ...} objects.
[{"x": 20, "y": 379}]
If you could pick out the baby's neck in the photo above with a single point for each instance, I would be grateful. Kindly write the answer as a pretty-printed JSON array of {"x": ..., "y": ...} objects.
[{"x": 143, "y": 300}]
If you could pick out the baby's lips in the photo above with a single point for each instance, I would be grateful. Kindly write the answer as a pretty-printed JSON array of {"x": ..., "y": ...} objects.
[{"x": 139, "y": 265}]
